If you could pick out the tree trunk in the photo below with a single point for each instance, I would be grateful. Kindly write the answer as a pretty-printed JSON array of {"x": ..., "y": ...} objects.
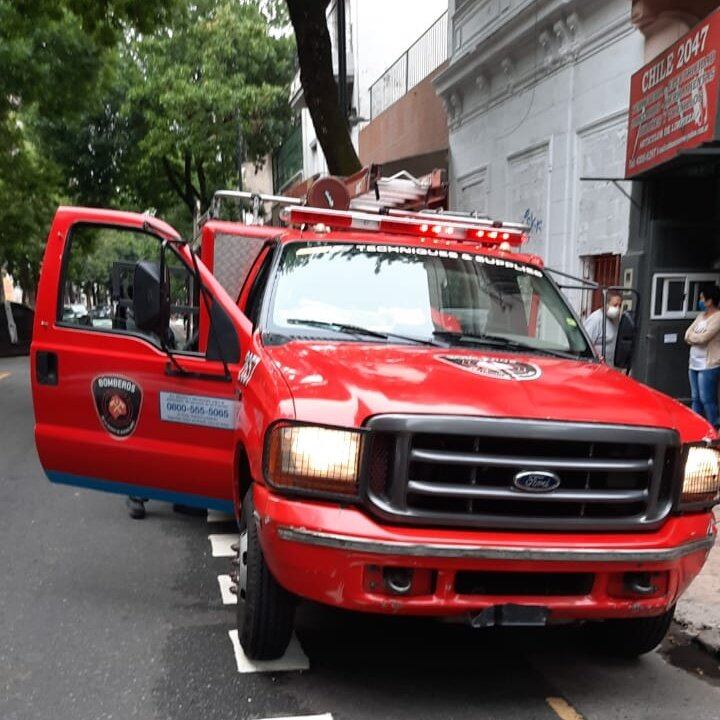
[
  {"x": 318, "y": 82},
  {"x": 183, "y": 186},
  {"x": 179, "y": 183},
  {"x": 27, "y": 279}
]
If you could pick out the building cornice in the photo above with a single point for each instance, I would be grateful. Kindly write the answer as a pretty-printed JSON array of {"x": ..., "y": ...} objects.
[
  {"x": 558, "y": 41},
  {"x": 504, "y": 33}
]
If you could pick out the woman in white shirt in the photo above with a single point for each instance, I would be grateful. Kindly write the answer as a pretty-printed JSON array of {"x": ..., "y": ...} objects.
[{"x": 703, "y": 336}]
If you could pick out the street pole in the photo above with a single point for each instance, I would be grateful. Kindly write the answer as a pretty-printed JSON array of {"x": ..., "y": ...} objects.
[
  {"x": 239, "y": 153},
  {"x": 342, "y": 59}
]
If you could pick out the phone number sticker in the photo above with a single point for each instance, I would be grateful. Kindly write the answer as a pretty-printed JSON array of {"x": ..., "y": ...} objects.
[{"x": 198, "y": 410}]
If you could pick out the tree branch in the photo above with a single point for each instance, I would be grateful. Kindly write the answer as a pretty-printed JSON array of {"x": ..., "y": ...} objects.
[
  {"x": 190, "y": 191},
  {"x": 173, "y": 177},
  {"x": 204, "y": 199},
  {"x": 175, "y": 181}
]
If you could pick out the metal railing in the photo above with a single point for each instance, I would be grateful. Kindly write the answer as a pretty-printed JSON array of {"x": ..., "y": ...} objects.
[{"x": 426, "y": 54}]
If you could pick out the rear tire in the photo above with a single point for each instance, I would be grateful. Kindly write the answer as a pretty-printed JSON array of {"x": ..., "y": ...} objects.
[
  {"x": 631, "y": 638},
  {"x": 265, "y": 610}
]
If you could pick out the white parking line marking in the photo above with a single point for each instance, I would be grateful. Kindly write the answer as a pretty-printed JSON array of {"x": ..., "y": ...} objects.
[
  {"x": 217, "y": 516},
  {"x": 293, "y": 659},
  {"x": 221, "y": 544},
  {"x": 326, "y": 716},
  {"x": 225, "y": 583},
  {"x": 563, "y": 709}
]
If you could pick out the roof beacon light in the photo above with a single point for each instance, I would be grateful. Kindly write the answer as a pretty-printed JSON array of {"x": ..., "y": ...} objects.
[{"x": 458, "y": 230}]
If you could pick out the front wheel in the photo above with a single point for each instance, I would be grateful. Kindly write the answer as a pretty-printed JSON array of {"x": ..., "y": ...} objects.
[
  {"x": 265, "y": 610},
  {"x": 633, "y": 637}
]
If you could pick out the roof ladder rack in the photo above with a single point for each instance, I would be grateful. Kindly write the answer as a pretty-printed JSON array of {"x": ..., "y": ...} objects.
[{"x": 256, "y": 200}]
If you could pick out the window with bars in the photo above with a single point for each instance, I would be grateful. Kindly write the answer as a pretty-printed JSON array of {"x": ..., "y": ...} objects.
[
  {"x": 603, "y": 270},
  {"x": 675, "y": 296}
]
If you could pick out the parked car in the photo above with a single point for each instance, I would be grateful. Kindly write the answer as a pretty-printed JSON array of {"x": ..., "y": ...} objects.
[
  {"x": 76, "y": 313},
  {"x": 16, "y": 326},
  {"x": 101, "y": 316}
]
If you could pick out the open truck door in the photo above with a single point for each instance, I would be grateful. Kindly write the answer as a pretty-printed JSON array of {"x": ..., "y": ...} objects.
[{"x": 138, "y": 395}]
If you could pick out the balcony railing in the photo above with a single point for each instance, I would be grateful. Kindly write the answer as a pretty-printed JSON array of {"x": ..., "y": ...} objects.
[{"x": 426, "y": 54}]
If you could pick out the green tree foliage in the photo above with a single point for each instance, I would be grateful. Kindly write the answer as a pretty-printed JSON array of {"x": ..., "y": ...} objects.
[
  {"x": 28, "y": 192},
  {"x": 95, "y": 250},
  {"x": 52, "y": 54},
  {"x": 214, "y": 87},
  {"x": 51, "y": 51},
  {"x": 94, "y": 253},
  {"x": 130, "y": 104}
]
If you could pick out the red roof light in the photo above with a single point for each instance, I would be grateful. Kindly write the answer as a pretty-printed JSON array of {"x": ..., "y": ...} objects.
[{"x": 457, "y": 231}]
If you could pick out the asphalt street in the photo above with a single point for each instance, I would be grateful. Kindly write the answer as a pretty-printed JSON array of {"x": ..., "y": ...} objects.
[{"x": 106, "y": 617}]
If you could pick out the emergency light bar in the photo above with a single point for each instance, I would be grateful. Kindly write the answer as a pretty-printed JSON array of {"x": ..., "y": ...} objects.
[{"x": 417, "y": 224}]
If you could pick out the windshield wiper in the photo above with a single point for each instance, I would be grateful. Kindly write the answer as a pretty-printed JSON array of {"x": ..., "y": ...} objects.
[
  {"x": 500, "y": 341},
  {"x": 349, "y": 329}
]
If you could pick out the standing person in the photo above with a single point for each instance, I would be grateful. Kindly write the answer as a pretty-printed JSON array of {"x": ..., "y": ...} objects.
[
  {"x": 703, "y": 336},
  {"x": 136, "y": 507},
  {"x": 610, "y": 315}
]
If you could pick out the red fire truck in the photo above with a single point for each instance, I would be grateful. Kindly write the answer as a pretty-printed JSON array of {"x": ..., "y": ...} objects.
[{"x": 402, "y": 410}]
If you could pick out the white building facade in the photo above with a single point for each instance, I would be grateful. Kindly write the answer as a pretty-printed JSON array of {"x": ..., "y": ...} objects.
[
  {"x": 537, "y": 96},
  {"x": 377, "y": 32}
]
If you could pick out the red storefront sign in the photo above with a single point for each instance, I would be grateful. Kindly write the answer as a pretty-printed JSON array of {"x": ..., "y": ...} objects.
[{"x": 674, "y": 99}]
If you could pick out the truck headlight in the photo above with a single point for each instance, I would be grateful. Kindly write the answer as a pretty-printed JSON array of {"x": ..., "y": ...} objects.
[
  {"x": 310, "y": 457},
  {"x": 701, "y": 482}
]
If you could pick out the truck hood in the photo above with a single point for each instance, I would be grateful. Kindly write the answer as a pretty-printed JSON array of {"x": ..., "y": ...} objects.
[{"x": 345, "y": 383}]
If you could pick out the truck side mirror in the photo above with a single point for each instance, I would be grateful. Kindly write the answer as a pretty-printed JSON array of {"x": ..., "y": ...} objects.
[
  {"x": 625, "y": 344},
  {"x": 223, "y": 343},
  {"x": 151, "y": 299}
]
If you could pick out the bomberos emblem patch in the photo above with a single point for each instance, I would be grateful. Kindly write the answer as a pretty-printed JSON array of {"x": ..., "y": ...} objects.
[
  {"x": 493, "y": 367},
  {"x": 117, "y": 401}
]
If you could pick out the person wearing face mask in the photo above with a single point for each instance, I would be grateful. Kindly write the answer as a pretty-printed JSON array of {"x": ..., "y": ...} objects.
[
  {"x": 703, "y": 336},
  {"x": 610, "y": 316}
]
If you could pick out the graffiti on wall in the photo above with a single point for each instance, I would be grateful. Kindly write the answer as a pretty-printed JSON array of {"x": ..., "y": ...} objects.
[{"x": 534, "y": 222}]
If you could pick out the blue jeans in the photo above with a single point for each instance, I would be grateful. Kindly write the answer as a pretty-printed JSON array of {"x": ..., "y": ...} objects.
[{"x": 704, "y": 389}]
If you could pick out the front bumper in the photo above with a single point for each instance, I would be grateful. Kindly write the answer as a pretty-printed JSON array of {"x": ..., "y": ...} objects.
[{"x": 335, "y": 555}]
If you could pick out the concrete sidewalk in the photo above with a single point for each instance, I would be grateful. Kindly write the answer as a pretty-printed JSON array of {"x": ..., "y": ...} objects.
[{"x": 699, "y": 609}]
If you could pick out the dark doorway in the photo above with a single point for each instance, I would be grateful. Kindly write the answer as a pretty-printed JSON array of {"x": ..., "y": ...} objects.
[{"x": 674, "y": 249}]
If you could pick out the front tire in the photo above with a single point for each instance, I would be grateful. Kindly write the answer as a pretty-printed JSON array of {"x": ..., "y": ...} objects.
[
  {"x": 631, "y": 638},
  {"x": 265, "y": 610}
]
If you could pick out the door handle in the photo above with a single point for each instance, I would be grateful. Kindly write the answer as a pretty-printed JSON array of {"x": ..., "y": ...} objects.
[{"x": 46, "y": 368}]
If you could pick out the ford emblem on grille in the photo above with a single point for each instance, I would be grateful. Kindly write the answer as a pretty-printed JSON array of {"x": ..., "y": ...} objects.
[{"x": 537, "y": 481}]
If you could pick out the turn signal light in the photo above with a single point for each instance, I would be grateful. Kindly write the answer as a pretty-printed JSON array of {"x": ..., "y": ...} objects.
[{"x": 701, "y": 482}]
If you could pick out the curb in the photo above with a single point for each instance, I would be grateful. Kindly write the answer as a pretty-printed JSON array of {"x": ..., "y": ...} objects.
[{"x": 708, "y": 640}]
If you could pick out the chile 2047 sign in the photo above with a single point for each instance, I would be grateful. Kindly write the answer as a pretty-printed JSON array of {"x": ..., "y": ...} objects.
[{"x": 674, "y": 99}]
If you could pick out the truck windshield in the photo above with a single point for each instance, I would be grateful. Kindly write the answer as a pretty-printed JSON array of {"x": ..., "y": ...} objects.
[{"x": 395, "y": 293}]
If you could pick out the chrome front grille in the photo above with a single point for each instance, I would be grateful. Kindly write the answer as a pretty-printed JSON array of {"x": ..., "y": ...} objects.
[{"x": 460, "y": 471}]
